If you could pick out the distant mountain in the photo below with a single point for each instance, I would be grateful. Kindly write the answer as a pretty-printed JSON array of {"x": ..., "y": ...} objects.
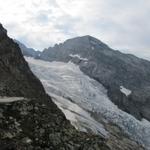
[
  {"x": 30, "y": 52},
  {"x": 125, "y": 76}
]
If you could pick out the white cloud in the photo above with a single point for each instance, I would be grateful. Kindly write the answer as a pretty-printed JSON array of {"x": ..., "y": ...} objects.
[{"x": 41, "y": 23}]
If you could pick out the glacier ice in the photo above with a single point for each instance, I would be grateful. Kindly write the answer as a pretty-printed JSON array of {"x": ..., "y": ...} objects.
[
  {"x": 67, "y": 81},
  {"x": 79, "y": 118}
]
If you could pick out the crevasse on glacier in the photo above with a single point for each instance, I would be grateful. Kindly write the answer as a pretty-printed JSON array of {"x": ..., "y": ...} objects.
[{"x": 77, "y": 95}]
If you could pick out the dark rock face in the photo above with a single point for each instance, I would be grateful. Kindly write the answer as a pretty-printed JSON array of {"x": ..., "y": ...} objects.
[
  {"x": 36, "y": 123},
  {"x": 15, "y": 77},
  {"x": 111, "y": 68}
]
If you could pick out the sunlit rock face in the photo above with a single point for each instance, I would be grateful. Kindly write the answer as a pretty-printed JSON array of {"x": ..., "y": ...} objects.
[{"x": 111, "y": 68}]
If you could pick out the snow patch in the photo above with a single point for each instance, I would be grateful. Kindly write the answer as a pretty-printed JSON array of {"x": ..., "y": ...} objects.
[
  {"x": 10, "y": 99},
  {"x": 127, "y": 92},
  {"x": 78, "y": 56},
  {"x": 92, "y": 47}
]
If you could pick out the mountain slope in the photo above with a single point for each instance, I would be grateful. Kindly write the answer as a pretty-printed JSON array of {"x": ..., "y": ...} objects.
[
  {"x": 126, "y": 77},
  {"x": 28, "y": 117}
]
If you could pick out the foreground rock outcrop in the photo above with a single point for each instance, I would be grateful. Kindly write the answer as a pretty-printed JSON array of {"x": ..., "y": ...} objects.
[{"x": 31, "y": 125}]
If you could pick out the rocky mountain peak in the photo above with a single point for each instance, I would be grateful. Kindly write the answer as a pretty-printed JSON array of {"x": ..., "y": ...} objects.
[
  {"x": 86, "y": 41},
  {"x": 111, "y": 68}
]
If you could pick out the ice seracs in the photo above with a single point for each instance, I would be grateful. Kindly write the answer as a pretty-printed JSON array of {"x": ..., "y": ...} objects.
[{"x": 126, "y": 91}]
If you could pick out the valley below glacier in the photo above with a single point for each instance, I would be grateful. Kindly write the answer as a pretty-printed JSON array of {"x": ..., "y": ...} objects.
[{"x": 84, "y": 101}]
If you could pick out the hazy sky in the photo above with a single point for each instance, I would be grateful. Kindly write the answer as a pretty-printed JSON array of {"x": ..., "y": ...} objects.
[{"x": 122, "y": 24}]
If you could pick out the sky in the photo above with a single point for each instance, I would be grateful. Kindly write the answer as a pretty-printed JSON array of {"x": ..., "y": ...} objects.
[{"x": 122, "y": 24}]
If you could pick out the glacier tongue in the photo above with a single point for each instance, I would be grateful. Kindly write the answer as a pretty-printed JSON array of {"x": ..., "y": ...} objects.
[
  {"x": 78, "y": 116},
  {"x": 77, "y": 94}
]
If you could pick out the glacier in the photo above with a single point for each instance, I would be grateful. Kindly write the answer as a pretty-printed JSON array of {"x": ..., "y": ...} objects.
[{"x": 79, "y": 96}]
